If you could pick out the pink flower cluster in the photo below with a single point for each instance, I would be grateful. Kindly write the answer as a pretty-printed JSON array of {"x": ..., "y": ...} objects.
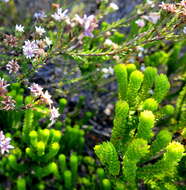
[
  {"x": 7, "y": 103},
  {"x": 89, "y": 23},
  {"x": 179, "y": 8},
  {"x": 45, "y": 97}
]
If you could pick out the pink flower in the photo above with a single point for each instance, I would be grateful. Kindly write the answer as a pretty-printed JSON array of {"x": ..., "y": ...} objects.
[
  {"x": 12, "y": 66},
  {"x": 3, "y": 85},
  {"x": 30, "y": 48},
  {"x": 89, "y": 23},
  {"x": 36, "y": 89},
  {"x": 140, "y": 22},
  {"x": 8, "y": 103}
]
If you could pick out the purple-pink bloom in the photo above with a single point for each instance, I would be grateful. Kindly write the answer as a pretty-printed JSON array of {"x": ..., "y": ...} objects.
[
  {"x": 89, "y": 23},
  {"x": 5, "y": 143},
  {"x": 30, "y": 48},
  {"x": 36, "y": 89},
  {"x": 3, "y": 85}
]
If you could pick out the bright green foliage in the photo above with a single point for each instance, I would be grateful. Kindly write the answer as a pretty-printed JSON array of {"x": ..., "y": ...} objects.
[
  {"x": 106, "y": 184},
  {"x": 163, "y": 138},
  {"x": 45, "y": 144},
  {"x": 62, "y": 104},
  {"x": 73, "y": 139},
  {"x": 156, "y": 59},
  {"x": 161, "y": 87},
  {"x": 136, "y": 150},
  {"x": 130, "y": 68},
  {"x": 181, "y": 108},
  {"x": 166, "y": 166},
  {"x": 150, "y": 74},
  {"x": 120, "y": 132},
  {"x": 51, "y": 168},
  {"x": 150, "y": 104},
  {"x": 135, "y": 123},
  {"x": 168, "y": 110},
  {"x": 68, "y": 179},
  {"x": 135, "y": 81},
  {"x": 107, "y": 154},
  {"x": 28, "y": 124},
  {"x": 122, "y": 79},
  {"x": 62, "y": 163},
  {"x": 21, "y": 184},
  {"x": 74, "y": 167},
  {"x": 146, "y": 123}
]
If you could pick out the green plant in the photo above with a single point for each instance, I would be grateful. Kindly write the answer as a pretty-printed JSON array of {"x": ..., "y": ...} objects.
[{"x": 146, "y": 155}]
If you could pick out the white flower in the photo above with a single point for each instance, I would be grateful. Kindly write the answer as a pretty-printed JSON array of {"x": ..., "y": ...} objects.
[
  {"x": 19, "y": 28},
  {"x": 48, "y": 41},
  {"x": 46, "y": 98},
  {"x": 107, "y": 72},
  {"x": 60, "y": 15},
  {"x": 40, "y": 15},
  {"x": 184, "y": 30},
  {"x": 140, "y": 48},
  {"x": 113, "y": 6},
  {"x": 151, "y": 3},
  {"x": 4, "y": 143},
  {"x": 152, "y": 17},
  {"x": 142, "y": 68},
  {"x": 40, "y": 30},
  {"x": 54, "y": 114},
  {"x": 140, "y": 22},
  {"x": 108, "y": 42},
  {"x": 30, "y": 48}
]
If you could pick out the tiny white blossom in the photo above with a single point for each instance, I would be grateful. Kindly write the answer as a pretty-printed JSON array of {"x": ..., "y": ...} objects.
[
  {"x": 140, "y": 22},
  {"x": 184, "y": 30},
  {"x": 46, "y": 98},
  {"x": 60, "y": 15},
  {"x": 40, "y": 15},
  {"x": 48, "y": 41},
  {"x": 142, "y": 68},
  {"x": 113, "y": 6},
  {"x": 5, "y": 143},
  {"x": 107, "y": 71},
  {"x": 19, "y": 28},
  {"x": 108, "y": 42},
  {"x": 151, "y": 3},
  {"x": 54, "y": 114},
  {"x": 40, "y": 30},
  {"x": 152, "y": 17}
]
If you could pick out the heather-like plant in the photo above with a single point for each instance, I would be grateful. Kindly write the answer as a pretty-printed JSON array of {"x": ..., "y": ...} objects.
[{"x": 41, "y": 151}]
